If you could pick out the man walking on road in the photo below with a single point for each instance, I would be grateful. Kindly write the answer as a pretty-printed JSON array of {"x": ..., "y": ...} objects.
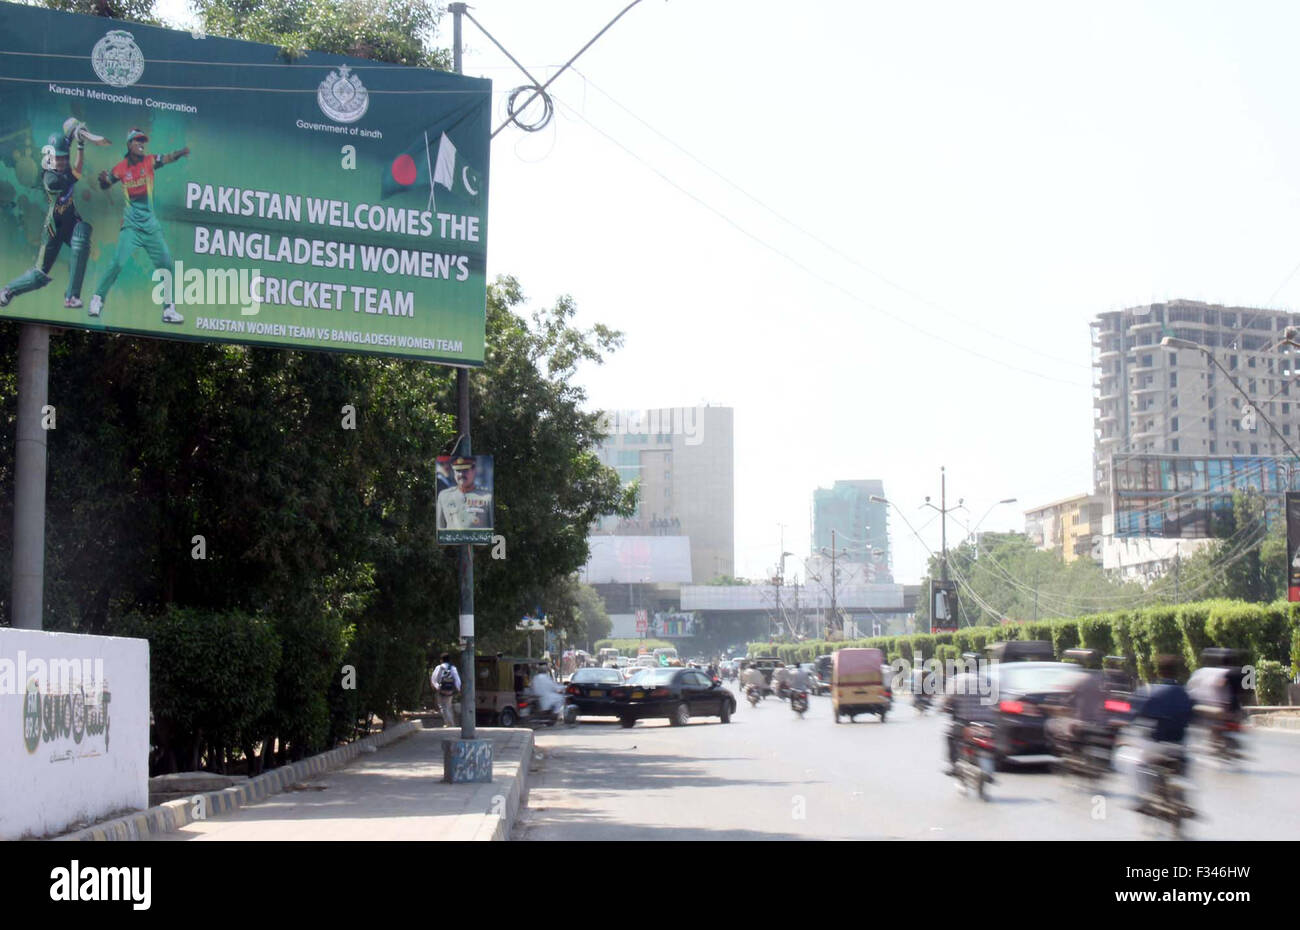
[{"x": 446, "y": 685}]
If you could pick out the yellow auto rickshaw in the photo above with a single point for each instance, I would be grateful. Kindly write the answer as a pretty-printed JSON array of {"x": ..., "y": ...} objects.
[
  {"x": 858, "y": 684},
  {"x": 500, "y": 688}
]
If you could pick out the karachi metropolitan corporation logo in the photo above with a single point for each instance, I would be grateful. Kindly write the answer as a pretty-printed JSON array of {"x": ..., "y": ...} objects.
[
  {"x": 342, "y": 96},
  {"x": 117, "y": 59}
]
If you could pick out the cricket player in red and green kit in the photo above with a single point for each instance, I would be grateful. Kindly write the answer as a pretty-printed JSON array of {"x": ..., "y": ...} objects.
[{"x": 140, "y": 226}]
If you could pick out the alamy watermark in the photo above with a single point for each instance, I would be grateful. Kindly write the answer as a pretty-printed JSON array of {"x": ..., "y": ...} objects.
[
  {"x": 687, "y": 422},
  {"x": 53, "y": 676},
  {"x": 212, "y": 287}
]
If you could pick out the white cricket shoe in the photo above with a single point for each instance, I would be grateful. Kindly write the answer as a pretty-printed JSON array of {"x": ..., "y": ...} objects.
[
  {"x": 72, "y": 303},
  {"x": 6, "y": 295},
  {"x": 171, "y": 316},
  {"x": 96, "y": 305}
]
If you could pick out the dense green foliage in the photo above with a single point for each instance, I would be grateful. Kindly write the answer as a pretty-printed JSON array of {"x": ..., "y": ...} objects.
[
  {"x": 394, "y": 31},
  {"x": 139, "y": 11},
  {"x": 1267, "y": 634}
]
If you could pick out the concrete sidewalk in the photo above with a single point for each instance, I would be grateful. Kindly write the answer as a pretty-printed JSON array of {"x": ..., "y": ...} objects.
[{"x": 395, "y": 793}]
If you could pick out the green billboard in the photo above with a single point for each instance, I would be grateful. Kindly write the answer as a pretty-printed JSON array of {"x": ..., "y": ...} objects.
[{"x": 187, "y": 187}]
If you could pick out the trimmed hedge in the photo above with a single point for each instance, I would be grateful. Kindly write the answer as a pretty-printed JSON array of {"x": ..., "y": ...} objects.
[
  {"x": 1268, "y": 635},
  {"x": 1271, "y": 680},
  {"x": 629, "y": 647}
]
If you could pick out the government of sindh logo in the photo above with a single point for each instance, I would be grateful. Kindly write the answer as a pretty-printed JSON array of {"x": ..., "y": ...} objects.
[
  {"x": 117, "y": 59},
  {"x": 342, "y": 96}
]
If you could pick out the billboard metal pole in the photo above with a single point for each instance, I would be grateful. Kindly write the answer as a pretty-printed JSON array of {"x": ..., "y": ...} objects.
[
  {"x": 467, "y": 711},
  {"x": 26, "y": 608}
]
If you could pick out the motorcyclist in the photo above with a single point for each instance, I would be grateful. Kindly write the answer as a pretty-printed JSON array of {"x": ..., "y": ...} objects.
[
  {"x": 966, "y": 700},
  {"x": 751, "y": 677},
  {"x": 781, "y": 681},
  {"x": 800, "y": 679},
  {"x": 1081, "y": 718},
  {"x": 550, "y": 696},
  {"x": 1168, "y": 708}
]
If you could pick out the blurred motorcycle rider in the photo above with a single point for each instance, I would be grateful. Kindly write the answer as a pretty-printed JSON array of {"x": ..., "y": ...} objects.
[
  {"x": 550, "y": 697},
  {"x": 966, "y": 700},
  {"x": 751, "y": 677},
  {"x": 780, "y": 681},
  {"x": 1217, "y": 683},
  {"x": 1169, "y": 709},
  {"x": 1082, "y": 716},
  {"x": 799, "y": 679}
]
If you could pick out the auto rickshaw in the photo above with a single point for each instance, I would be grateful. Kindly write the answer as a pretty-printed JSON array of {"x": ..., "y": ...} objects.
[
  {"x": 501, "y": 688},
  {"x": 858, "y": 684}
]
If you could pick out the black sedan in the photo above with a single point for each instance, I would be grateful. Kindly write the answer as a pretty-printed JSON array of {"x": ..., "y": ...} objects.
[
  {"x": 675, "y": 693},
  {"x": 590, "y": 691}
]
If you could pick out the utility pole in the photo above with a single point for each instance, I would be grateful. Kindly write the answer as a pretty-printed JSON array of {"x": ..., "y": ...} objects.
[
  {"x": 833, "y": 617},
  {"x": 468, "y": 759},
  {"x": 944, "y": 510},
  {"x": 798, "y": 619},
  {"x": 1178, "y": 553},
  {"x": 27, "y": 604}
]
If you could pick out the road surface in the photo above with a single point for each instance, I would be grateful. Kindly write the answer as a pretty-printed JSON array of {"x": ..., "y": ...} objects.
[{"x": 771, "y": 775}]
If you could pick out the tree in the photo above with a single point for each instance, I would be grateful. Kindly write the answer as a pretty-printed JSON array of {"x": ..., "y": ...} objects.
[
  {"x": 1014, "y": 579},
  {"x": 139, "y": 11},
  {"x": 1248, "y": 562},
  {"x": 393, "y": 31}
]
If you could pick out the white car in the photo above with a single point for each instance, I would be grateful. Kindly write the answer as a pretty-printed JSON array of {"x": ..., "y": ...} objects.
[{"x": 623, "y": 661}]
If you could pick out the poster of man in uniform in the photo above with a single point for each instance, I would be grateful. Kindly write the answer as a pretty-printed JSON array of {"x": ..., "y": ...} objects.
[{"x": 464, "y": 510}]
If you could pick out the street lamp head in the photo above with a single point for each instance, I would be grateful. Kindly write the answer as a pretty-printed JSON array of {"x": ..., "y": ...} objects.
[
  {"x": 1009, "y": 500},
  {"x": 878, "y": 500},
  {"x": 1173, "y": 342}
]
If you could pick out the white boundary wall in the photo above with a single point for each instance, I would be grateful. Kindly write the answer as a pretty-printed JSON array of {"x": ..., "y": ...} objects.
[{"x": 74, "y": 729}]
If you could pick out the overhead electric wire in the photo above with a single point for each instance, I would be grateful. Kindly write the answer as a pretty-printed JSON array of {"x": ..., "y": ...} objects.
[
  {"x": 822, "y": 242},
  {"x": 903, "y": 321}
]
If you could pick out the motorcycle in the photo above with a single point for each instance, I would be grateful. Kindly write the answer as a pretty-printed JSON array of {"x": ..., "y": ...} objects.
[
  {"x": 1224, "y": 730},
  {"x": 799, "y": 702},
  {"x": 975, "y": 759},
  {"x": 534, "y": 714},
  {"x": 922, "y": 701},
  {"x": 1164, "y": 797},
  {"x": 754, "y": 695},
  {"x": 1085, "y": 753}
]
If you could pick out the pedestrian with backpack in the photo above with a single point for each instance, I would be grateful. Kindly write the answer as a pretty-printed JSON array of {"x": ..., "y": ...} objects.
[{"x": 446, "y": 685}]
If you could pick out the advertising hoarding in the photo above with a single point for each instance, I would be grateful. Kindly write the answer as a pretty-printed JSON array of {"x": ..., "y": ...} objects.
[
  {"x": 207, "y": 189},
  {"x": 1190, "y": 497},
  {"x": 943, "y": 606}
]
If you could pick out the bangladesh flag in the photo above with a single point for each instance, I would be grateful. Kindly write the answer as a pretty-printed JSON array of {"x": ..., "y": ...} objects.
[{"x": 448, "y": 160}]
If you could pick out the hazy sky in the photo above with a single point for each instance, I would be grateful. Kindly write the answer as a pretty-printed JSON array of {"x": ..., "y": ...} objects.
[{"x": 973, "y": 182}]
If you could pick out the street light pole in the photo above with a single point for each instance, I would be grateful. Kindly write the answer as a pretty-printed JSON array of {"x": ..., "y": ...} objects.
[{"x": 943, "y": 510}]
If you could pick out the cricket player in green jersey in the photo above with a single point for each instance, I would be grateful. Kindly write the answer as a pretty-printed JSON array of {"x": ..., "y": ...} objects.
[
  {"x": 63, "y": 225},
  {"x": 140, "y": 226}
]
